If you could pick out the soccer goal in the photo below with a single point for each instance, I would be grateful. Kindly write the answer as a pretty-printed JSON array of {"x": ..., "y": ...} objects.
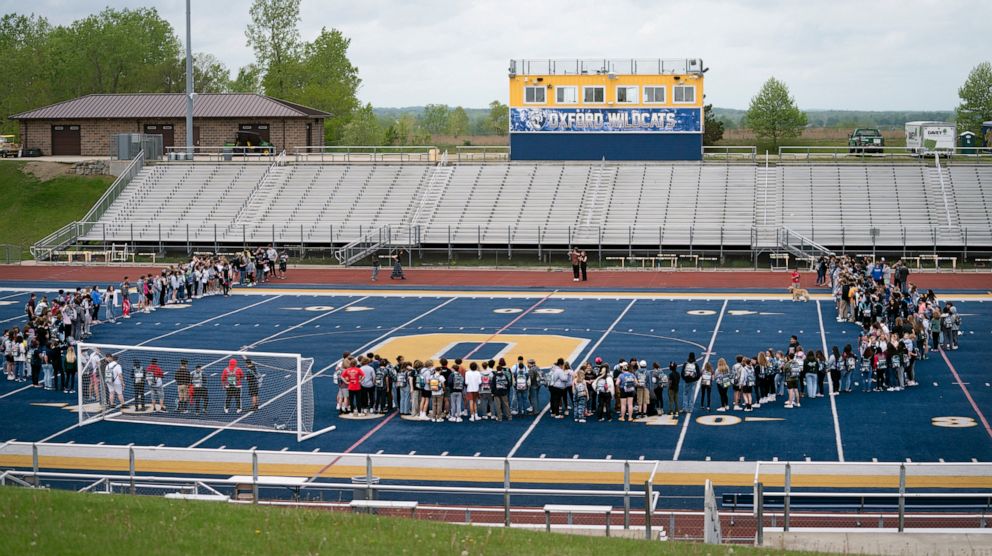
[{"x": 246, "y": 390}]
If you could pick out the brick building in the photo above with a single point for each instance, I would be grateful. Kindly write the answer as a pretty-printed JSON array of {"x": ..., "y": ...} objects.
[{"x": 86, "y": 125}]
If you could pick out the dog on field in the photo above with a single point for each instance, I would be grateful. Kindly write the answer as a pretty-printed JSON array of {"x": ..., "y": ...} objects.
[{"x": 799, "y": 294}]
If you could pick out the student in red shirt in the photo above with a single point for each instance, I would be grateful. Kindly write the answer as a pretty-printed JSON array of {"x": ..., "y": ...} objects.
[
  {"x": 353, "y": 377},
  {"x": 795, "y": 278},
  {"x": 231, "y": 381}
]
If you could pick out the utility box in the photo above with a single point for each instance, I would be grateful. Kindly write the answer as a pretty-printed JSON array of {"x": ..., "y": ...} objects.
[{"x": 126, "y": 146}]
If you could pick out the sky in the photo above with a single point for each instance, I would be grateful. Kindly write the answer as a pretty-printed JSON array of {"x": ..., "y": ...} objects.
[{"x": 833, "y": 54}]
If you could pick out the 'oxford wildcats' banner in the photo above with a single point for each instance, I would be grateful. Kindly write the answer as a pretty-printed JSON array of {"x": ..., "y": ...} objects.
[{"x": 591, "y": 120}]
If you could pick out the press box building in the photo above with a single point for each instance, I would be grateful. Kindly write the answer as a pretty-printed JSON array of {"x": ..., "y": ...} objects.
[{"x": 613, "y": 109}]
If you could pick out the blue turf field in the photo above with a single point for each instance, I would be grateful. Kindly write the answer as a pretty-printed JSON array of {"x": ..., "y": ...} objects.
[{"x": 887, "y": 426}]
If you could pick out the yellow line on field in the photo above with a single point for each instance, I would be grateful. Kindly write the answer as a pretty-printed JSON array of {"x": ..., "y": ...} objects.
[
  {"x": 444, "y": 474},
  {"x": 560, "y": 294}
]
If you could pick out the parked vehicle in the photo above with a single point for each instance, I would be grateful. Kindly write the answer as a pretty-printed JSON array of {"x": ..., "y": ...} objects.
[
  {"x": 928, "y": 138},
  {"x": 865, "y": 140},
  {"x": 9, "y": 147}
]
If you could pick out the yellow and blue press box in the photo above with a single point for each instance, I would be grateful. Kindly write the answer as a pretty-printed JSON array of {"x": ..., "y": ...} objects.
[{"x": 636, "y": 109}]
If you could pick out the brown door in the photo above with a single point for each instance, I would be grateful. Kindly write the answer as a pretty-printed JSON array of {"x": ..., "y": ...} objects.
[
  {"x": 196, "y": 136},
  {"x": 66, "y": 140},
  {"x": 167, "y": 131},
  {"x": 309, "y": 135}
]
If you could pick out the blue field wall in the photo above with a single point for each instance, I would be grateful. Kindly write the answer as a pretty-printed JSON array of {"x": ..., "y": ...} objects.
[{"x": 611, "y": 146}]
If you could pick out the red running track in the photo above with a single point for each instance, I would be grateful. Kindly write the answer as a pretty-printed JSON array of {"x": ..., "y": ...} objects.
[{"x": 504, "y": 278}]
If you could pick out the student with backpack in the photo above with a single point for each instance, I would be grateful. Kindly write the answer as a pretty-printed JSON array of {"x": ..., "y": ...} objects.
[
  {"x": 627, "y": 389},
  {"x": 643, "y": 394},
  {"x": 580, "y": 393},
  {"x": 138, "y": 379},
  {"x": 425, "y": 388},
  {"x": 416, "y": 382},
  {"x": 659, "y": 379},
  {"x": 793, "y": 368},
  {"x": 706, "y": 386},
  {"x": 690, "y": 374},
  {"x": 501, "y": 392},
  {"x": 254, "y": 379},
  {"x": 521, "y": 387},
  {"x": 485, "y": 390},
  {"x": 436, "y": 385},
  {"x": 402, "y": 383},
  {"x": 604, "y": 394},
  {"x": 380, "y": 381},
  {"x": 455, "y": 389},
  {"x": 201, "y": 394},
  {"x": 535, "y": 376}
]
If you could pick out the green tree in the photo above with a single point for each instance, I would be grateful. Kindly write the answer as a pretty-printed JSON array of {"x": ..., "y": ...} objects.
[
  {"x": 434, "y": 119},
  {"x": 363, "y": 129},
  {"x": 248, "y": 80},
  {"x": 773, "y": 115},
  {"x": 275, "y": 38},
  {"x": 713, "y": 126},
  {"x": 458, "y": 122},
  {"x": 26, "y": 83},
  {"x": 499, "y": 117},
  {"x": 114, "y": 51},
  {"x": 210, "y": 75},
  {"x": 331, "y": 81},
  {"x": 976, "y": 99}
]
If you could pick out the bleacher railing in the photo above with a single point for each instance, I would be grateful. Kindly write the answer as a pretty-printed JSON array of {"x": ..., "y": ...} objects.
[
  {"x": 228, "y": 153},
  {"x": 482, "y": 153},
  {"x": 963, "y": 155},
  {"x": 730, "y": 153},
  {"x": 68, "y": 234},
  {"x": 356, "y": 154},
  {"x": 511, "y": 491}
]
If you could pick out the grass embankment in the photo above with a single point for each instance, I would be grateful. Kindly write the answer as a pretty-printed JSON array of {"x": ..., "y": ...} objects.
[
  {"x": 57, "y": 522},
  {"x": 33, "y": 207}
]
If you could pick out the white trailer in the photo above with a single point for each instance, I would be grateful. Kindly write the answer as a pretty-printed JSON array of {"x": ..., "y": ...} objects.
[{"x": 927, "y": 138}]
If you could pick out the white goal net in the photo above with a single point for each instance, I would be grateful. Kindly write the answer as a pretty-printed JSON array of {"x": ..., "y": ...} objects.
[{"x": 196, "y": 388}]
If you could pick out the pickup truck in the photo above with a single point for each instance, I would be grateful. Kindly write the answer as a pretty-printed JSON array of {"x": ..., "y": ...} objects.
[{"x": 865, "y": 140}]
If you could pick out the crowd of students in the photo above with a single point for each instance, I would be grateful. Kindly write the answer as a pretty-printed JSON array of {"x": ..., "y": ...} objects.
[
  {"x": 900, "y": 326},
  {"x": 41, "y": 349}
]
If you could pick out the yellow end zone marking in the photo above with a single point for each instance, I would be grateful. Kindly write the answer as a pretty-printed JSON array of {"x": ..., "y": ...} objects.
[
  {"x": 543, "y": 348},
  {"x": 447, "y": 474}
]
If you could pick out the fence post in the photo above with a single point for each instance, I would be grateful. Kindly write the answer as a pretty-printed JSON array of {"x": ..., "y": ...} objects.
[
  {"x": 902, "y": 497},
  {"x": 449, "y": 244},
  {"x": 130, "y": 466},
  {"x": 509, "y": 244},
  {"x": 506, "y": 492},
  {"x": 301, "y": 241},
  {"x": 671, "y": 526},
  {"x": 626, "y": 495},
  {"x": 254, "y": 476},
  {"x": 160, "y": 249},
  {"x": 216, "y": 248},
  {"x": 132, "y": 238},
  {"x": 630, "y": 241},
  {"x": 648, "y": 510},
  {"x": 599, "y": 229},
  {"x": 34, "y": 462},
  {"x": 478, "y": 233},
  {"x": 368, "y": 477},
  {"x": 759, "y": 504},
  {"x": 189, "y": 248},
  {"x": 788, "y": 488}
]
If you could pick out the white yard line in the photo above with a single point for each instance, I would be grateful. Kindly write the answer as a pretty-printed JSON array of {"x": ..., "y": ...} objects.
[
  {"x": 692, "y": 402},
  {"x": 589, "y": 353},
  {"x": 830, "y": 383}
]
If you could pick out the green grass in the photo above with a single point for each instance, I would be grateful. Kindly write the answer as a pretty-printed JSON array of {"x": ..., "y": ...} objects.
[
  {"x": 58, "y": 522},
  {"x": 31, "y": 209}
]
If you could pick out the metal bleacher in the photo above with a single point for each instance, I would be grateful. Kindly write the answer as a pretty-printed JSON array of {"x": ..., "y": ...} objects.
[{"x": 606, "y": 203}]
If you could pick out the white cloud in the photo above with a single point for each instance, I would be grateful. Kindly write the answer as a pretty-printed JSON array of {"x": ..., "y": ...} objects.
[{"x": 846, "y": 54}]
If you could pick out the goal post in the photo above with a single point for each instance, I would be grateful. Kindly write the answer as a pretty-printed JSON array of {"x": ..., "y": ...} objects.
[{"x": 217, "y": 389}]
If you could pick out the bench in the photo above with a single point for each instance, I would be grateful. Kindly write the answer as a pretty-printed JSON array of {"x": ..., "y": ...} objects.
[
  {"x": 152, "y": 255},
  {"x": 777, "y": 261},
  {"x": 708, "y": 259},
  {"x": 570, "y": 509},
  {"x": 201, "y": 497},
  {"x": 694, "y": 258},
  {"x": 985, "y": 262},
  {"x": 671, "y": 259},
  {"x": 247, "y": 483},
  {"x": 371, "y": 505}
]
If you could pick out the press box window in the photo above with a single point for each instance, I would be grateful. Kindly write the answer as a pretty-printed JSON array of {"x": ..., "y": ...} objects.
[
  {"x": 684, "y": 94},
  {"x": 534, "y": 95},
  {"x": 654, "y": 95},
  {"x": 566, "y": 95},
  {"x": 593, "y": 95},
  {"x": 626, "y": 95}
]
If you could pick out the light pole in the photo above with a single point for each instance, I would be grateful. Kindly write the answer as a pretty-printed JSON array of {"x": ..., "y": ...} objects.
[{"x": 189, "y": 86}]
